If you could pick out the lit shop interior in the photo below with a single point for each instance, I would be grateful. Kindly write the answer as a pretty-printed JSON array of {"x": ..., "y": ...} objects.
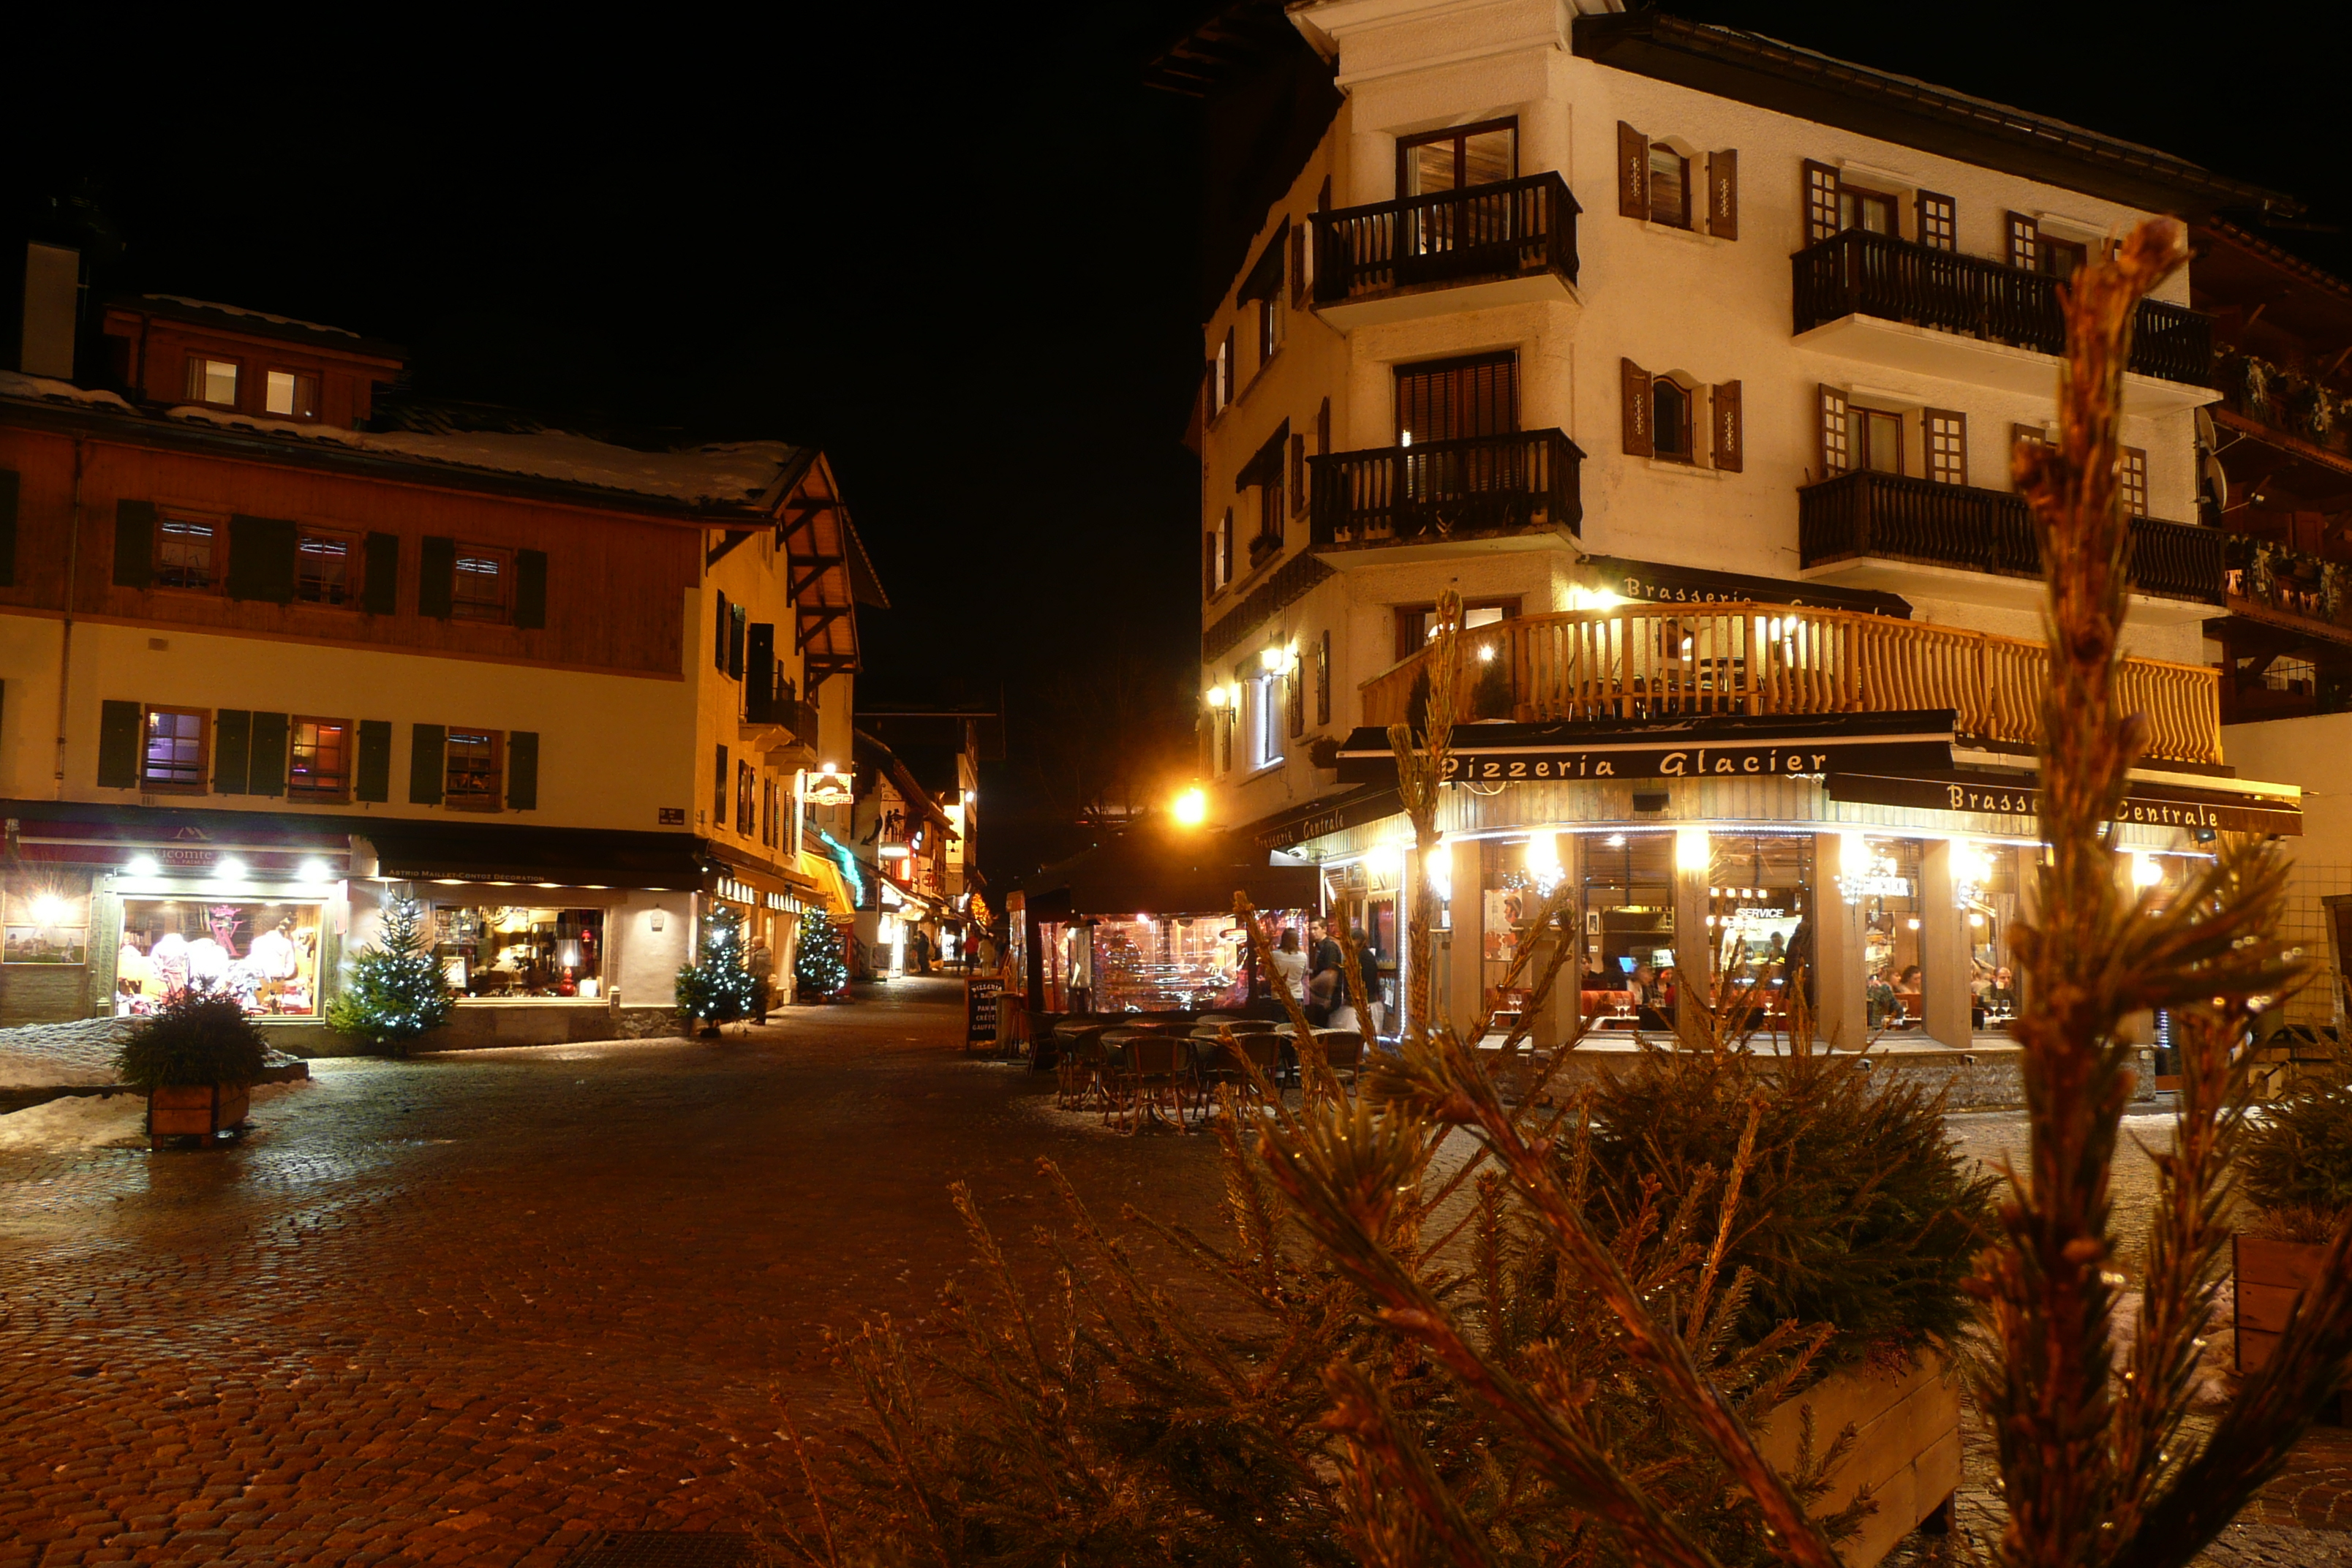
[
  {"x": 519, "y": 949},
  {"x": 263, "y": 935}
]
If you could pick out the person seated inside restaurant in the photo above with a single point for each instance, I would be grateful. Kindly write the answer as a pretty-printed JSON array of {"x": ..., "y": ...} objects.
[
  {"x": 1878, "y": 1005},
  {"x": 2000, "y": 996}
]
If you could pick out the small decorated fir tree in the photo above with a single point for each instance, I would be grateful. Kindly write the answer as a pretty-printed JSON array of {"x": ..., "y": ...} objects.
[
  {"x": 818, "y": 968},
  {"x": 397, "y": 992},
  {"x": 718, "y": 989}
]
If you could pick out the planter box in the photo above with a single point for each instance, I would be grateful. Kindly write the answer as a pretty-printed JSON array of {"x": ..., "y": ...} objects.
[
  {"x": 2268, "y": 1276},
  {"x": 1907, "y": 1447},
  {"x": 196, "y": 1109}
]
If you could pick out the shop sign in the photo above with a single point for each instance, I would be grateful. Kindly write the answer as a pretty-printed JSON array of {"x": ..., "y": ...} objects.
[
  {"x": 1795, "y": 759},
  {"x": 980, "y": 1007},
  {"x": 2022, "y": 797}
]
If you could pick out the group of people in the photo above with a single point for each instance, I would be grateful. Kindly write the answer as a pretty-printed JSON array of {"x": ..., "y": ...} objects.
[{"x": 1317, "y": 973}]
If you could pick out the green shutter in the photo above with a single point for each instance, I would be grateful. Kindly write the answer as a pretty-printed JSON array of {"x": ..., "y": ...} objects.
[
  {"x": 9, "y": 488},
  {"x": 118, "y": 745},
  {"x": 232, "y": 751},
  {"x": 523, "y": 770},
  {"x": 135, "y": 543},
  {"x": 530, "y": 588},
  {"x": 436, "y": 578},
  {"x": 261, "y": 552},
  {"x": 371, "y": 778},
  {"x": 268, "y": 774},
  {"x": 380, "y": 585},
  {"x": 428, "y": 749}
]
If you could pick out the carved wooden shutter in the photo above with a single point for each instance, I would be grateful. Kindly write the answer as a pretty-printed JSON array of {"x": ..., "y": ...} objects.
[
  {"x": 1837, "y": 433},
  {"x": 2024, "y": 241},
  {"x": 1948, "y": 445},
  {"x": 1632, "y": 173},
  {"x": 1723, "y": 193},
  {"x": 1729, "y": 445},
  {"x": 1639, "y": 442},
  {"x": 1820, "y": 202}
]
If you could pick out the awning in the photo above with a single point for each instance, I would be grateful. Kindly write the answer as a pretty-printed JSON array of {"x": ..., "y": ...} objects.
[
  {"x": 1993, "y": 793},
  {"x": 1653, "y": 582},
  {"x": 503, "y": 852},
  {"x": 1160, "y": 870},
  {"x": 825, "y": 873},
  {"x": 1769, "y": 745},
  {"x": 1332, "y": 814}
]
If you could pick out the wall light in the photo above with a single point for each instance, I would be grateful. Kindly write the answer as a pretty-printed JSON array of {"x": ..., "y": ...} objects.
[
  {"x": 1543, "y": 861},
  {"x": 1215, "y": 697},
  {"x": 141, "y": 866},
  {"x": 316, "y": 870},
  {"x": 1271, "y": 659},
  {"x": 1485, "y": 653},
  {"x": 1580, "y": 599},
  {"x": 1692, "y": 850},
  {"x": 1384, "y": 860},
  {"x": 1192, "y": 807},
  {"x": 48, "y": 910},
  {"x": 229, "y": 869},
  {"x": 1437, "y": 864},
  {"x": 2146, "y": 870}
]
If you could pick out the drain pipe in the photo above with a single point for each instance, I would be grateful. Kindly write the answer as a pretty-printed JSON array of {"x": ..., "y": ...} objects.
[{"x": 65, "y": 636}]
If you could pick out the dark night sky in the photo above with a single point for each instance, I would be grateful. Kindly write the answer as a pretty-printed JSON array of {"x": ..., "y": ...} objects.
[{"x": 956, "y": 246}]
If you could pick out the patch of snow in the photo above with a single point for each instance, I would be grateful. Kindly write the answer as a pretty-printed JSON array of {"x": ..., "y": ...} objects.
[
  {"x": 14, "y": 384},
  {"x": 257, "y": 315},
  {"x": 76, "y": 1121}
]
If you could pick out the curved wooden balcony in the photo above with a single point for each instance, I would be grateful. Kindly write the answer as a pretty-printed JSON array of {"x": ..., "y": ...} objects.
[
  {"x": 1514, "y": 239},
  {"x": 1657, "y": 662}
]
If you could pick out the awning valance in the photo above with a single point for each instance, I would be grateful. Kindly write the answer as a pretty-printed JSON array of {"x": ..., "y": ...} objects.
[
  {"x": 503, "y": 852},
  {"x": 1655, "y": 582},
  {"x": 1157, "y": 870}
]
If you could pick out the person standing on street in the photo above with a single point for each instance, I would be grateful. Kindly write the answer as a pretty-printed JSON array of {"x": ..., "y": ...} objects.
[{"x": 762, "y": 962}]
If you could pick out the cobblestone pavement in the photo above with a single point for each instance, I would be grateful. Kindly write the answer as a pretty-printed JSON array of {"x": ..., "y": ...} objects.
[{"x": 474, "y": 1307}]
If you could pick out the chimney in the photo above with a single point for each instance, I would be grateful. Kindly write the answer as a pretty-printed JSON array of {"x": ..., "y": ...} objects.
[{"x": 52, "y": 301}]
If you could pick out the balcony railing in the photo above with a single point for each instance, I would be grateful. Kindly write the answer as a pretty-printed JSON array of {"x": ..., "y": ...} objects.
[
  {"x": 1511, "y": 229},
  {"x": 1660, "y": 662},
  {"x": 1865, "y": 514},
  {"x": 1901, "y": 281},
  {"x": 1483, "y": 486}
]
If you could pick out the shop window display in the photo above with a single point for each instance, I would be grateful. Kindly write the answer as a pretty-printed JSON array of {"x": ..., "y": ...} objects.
[
  {"x": 264, "y": 954},
  {"x": 1149, "y": 964},
  {"x": 1760, "y": 909},
  {"x": 514, "y": 951}
]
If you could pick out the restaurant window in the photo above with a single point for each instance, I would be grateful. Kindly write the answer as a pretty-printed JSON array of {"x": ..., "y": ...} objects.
[
  {"x": 1323, "y": 679},
  {"x": 1670, "y": 420},
  {"x": 2131, "y": 480},
  {"x": 1880, "y": 876},
  {"x": 512, "y": 950},
  {"x": 1483, "y": 155},
  {"x": 264, "y": 954},
  {"x": 1417, "y": 624},
  {"x": 1760, "y": 925},
  {"x": 1873, "y": 212},
  {"x": 1629, "y": 928},
  {"x": 188, "y": 552},
  {"x": 1948, "y": 447},
  {"x": 290, "y": 393},
  {"x": 1988, "y": 881},
  {"x": 212, "y": 381},
  {"x": 324, "y": 571},
  {"x": 1878, "y": 440},
  {"x": 483, "y": 578},
  {"x": 1131, "y": 963},
  {"x": 1669, "y": 187},
  {"x": 472, "y": 776},
  {"x": 1939, "y": 222},
  {"x": 320, "y": 760},
  {"x": 172, "y": 758},
  {"x": 746, "y": 782}
]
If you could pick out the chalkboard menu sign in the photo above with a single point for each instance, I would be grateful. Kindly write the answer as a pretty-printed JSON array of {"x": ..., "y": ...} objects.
[{"x": 980, "y": 997}]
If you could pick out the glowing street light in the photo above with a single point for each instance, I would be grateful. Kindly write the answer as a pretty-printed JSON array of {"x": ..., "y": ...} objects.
[{"x": 1192, "y": 807}]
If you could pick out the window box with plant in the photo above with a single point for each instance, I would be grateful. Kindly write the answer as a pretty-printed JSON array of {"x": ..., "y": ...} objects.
[{"x": 196, "y": 1059}]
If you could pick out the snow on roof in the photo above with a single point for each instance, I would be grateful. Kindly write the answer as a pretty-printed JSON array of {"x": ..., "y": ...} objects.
[
  {"x": 257, "y": 315},
  {"x": 11, "y": 384}
]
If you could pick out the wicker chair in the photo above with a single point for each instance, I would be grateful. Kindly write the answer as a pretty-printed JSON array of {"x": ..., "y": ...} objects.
[
  {"x": 1344, "y": 1049},
  {"x": 1152, "y": 1071},
  {"x": 1078, "y": 1070}
]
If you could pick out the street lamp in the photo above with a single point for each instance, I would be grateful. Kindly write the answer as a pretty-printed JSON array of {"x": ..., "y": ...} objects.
[{"x": 1192, "y": 807}]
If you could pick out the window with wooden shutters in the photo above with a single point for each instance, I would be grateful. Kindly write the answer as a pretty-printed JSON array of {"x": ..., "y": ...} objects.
[
  {"x": 1878, "y": 440},
  {"x": 474, "y": 778},
  {"x": 1939, "y": 222},
  {"x": 1670, "y": 419},
  {"x": 747, "y": 784},
  {"x": 1632, "y": 173},
  {"x": 325, "y": 567},
  {"x": 270, "y": 735},
  {"x": 188, "y": 552},
  {"x": 1723, "y": 193},
  {"x": 1723, "y": 419},
  {"x": 1948, "y": 445},
  {"x": 1455, "y": 399},
  {"x": 1873, "y": 212},
  {"x": 1669, "y": 187},
  {"x": 1837, "y": 432},
  {"x": 2024, "y": 235},
  {"x": 2131, "y": 480},
  {"x": 1820, "y": 202},
  {"x": 739, "y": 631},
  {"x": 1634, "y": 382},
  {"x": 1225, "y": 370},
  {"x": 1209, "y": 583},
  {"x": 174, "y": 749},
  {"x": 1294, "y": 690},
  {"x": 1225, "y": 549},
  {"x": 318, "y": 760},
  {"x": 1323, "y": 679},
  {"x": 1262, "y": 287}
]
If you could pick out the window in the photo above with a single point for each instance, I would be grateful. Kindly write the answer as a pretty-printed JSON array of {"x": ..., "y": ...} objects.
[
  {"x": 2024, "y": 237},
  {"x": 746, "y": 783},
  {"x": 212, "y": 381},
  {"x": 1266, "y": 712},
  {"x": 482, "y": 580},
  {"x": 1948, "y": 447},
  {"x": 1417, "y": 624},
  {"x": 322, "y": 568},
  {"x": 1878, "y": 440},
  {"x": 1225, "y": 549},
  {"x": 187, "y": 553},
  {"x": 2131, "y": 480},
  {"x": 1670, "y": 421},
  {"x": 172, "y": 758},
  {"x": 1223, "y": 718},
  {"x": 1822, "y": 218},
  {"x": 1323, "y": 680},
  {"x": 1483, "y": 155},
  {"x": 2023, "y": 436},
  {"x": 1454, "y": 399},
  {"x": 1271, "y": 511},
  {"x": 291, "y": 394},
  {"x": 1870, "y": 211},
  {"x": 1939, "y": 222},
  {"x": 2058, "y": 258},
  {"x": 321, "y": 760},
  {"x": 1837, "y": 433},
  {"x": 1221, "y": 380},
  {"x": 1669, "y": 187},
  {"x": 472, "y": 781}
]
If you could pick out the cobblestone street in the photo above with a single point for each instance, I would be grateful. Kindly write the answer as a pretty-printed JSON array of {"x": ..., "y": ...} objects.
[{"x": 475, "y": 1306}]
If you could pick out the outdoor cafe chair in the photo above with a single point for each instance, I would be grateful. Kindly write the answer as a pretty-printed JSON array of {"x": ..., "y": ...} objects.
[
  {"x": 1343, "y": 1049},
  {"x": 1078, "y": 1072},
  {"x": 1151, "y": 1069},
  {"x": 1263, "y": 1051}
]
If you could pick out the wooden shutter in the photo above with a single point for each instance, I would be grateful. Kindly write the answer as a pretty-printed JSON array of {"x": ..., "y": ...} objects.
[
  {"x": 1296, "y": 694},
  {"x": 436, "y": 582},
  {"x": 2024, "y": 240},
  {"x": 1723, "y": 193},
  {"x": 428, "y": 749},
  {"x": 719, "y": 794},
  {"x": 531, "y": 589},
  {"x": 1209, "y": 564},
  {"x": 1729, "y": 446},
  {"x": 1298, "y": 265},
  {"x": 720, "y": 623},
  {"x": 261, "y": 551},
  {"x": 380, "y": 584},
  {"x": 1297, "y": 473},
  {"x": 1820, "y": 202},
  {"x": 760, "y": 671},
  {"x": 1837, "y": 432},
  {"x": 1948, "y": 445},
  {"x": 739, "y": 626},
  {"x": 523, "y": 770},
  {"x": 267, "y": 775},
  {"x": 1639, "y": 442},
  {"x": 135, "y": 543},
  {"x": 232, "y": 751},
  {"x": 10, "y": 487},
  {"x": 1939, "y": 222},
  {"x": 118, "y": 724},
  {"x": 1632, "y": 173},
  {"x": 371, "y": 774},
  {"x": 1323, "y": 680}
]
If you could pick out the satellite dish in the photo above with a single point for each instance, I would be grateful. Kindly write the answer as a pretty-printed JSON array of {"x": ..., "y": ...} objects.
[
  {"x": 2207, "y": 438},
  {"x": 2217, "y": 478}
]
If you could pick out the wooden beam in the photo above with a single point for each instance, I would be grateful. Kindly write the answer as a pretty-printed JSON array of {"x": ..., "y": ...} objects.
[
  {"x": 818, "y": 566},
  {"x": 811, "y": 622}
]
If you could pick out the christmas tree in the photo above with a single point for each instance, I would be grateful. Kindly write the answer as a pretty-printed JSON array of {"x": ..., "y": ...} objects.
[
  {"x": 396, "y": 992},
  {"x": 717, "y": 989},
  {"x": 818, "y": 968}
]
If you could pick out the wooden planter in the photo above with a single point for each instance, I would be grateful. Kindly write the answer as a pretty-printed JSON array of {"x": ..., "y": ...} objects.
[
  {"x": 2270, "y": 1276},
  {"x": 1906, "y": 1448},
  {"x": 199, "y": 1109}
]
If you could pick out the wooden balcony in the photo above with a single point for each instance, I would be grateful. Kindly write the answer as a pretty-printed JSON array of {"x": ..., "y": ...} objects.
[
  {"x": 1898, "y": 280},
  {"x": 1865, "y": 515},
  {"x": 776, "y": 722},
  {"x": 1505, "y": 242},
  {"x": 1518, "y": 491},
  {"x": 1660, "y": 662}
]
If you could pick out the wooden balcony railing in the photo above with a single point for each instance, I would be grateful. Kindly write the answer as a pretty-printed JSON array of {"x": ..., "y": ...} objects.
[
  {"x": 1901, "y": 281},
  {"x": 1865, "y": 514},
  {"x": 1509, "y": 229},
  {"x": 1483, "y": 485},
  {"x": 1658, "y": 662}
]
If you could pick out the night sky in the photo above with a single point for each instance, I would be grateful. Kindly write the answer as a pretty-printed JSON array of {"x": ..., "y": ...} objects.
[{"x": 955, "y": 246}]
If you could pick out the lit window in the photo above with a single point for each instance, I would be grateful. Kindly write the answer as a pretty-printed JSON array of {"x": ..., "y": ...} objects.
[
  {"x": 212, "y": 381},
  {"x": 322, "y": 569},
  {"x": 1669, "y": 187},
  {"x": 291, "y": 394},
  {"x": 186, "y": 552},
  {"x": 174, "y": 755},
  {"x": 481, "y": 591},
  {"x": 321, "y": 762},
  {"x": 473, "y": 771},
  {"x": 1266, "y": 732}
]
